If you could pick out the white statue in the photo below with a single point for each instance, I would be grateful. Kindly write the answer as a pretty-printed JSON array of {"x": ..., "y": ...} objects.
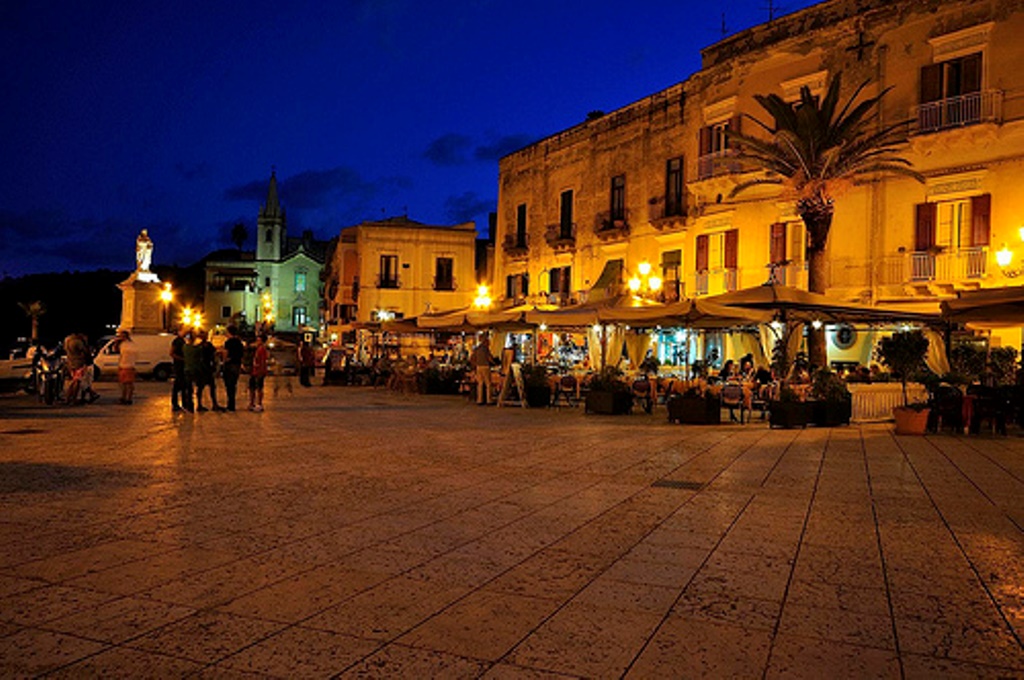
[{"x": 143, "y": 251}]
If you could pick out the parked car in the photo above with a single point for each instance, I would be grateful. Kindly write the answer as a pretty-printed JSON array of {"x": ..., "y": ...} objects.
[
  {"x": 15, "y": 371},
  {"x": 154, "y": 358}
]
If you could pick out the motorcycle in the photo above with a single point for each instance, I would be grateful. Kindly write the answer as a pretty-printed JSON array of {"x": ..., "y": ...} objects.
[{"x": 48, "y": 375}]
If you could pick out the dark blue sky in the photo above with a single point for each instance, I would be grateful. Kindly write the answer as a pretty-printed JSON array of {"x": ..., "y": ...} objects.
[{"x": 119, "y": 116}]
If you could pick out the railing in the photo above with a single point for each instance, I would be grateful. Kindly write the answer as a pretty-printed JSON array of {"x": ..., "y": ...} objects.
[
  {"x": 515, "y": 246},
  {"x": 389, "y": 282},
  {"x": 792, "y": 274},
  {"x": 715, "y": 281},
  {"x": 612, "y": 226},
  {"x": 663, "y": 214},
  {"x": 560, "y": 236},
  {"x": 444, "y": 284},
  {"x": 717, "y": 163},
  {"x": 967, "y": 109},
  {"x": 945, "y": 267},
  {"x": 702, "y": 284}
]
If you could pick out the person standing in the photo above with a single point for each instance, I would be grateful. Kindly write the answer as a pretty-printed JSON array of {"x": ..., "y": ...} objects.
[
  {"x": 232, "y": 366},
  {"x": 193, "y": 369},
  {"x": 207, "y": 372},
  {"x": 76, "y": 351},
  {"x": 260, "y": 368},
  {"x": 127, "y": 354},
  {"x": 481, "y": 360},
  {"x": 307, "y": 363},
  {"x": 178, "y": 398}
]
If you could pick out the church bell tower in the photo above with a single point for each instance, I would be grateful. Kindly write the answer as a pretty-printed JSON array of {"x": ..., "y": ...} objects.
[{"x": 271, "y": 225}]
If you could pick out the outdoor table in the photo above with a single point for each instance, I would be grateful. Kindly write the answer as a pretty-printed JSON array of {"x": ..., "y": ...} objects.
[{"x": 873, "y": 402}]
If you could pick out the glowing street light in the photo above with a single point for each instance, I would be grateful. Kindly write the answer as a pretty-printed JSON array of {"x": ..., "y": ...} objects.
[
  {"x": 483, "y": 297},
  {"x": 166, "y": 297},
  {"x": 644, "y": 282}
]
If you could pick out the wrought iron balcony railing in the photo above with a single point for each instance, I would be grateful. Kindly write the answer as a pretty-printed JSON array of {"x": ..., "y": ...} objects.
[{"x": 955, "y": 112}]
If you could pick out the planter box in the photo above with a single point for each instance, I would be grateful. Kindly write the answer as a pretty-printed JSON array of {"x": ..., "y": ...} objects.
[
  {"x": 788, "y": 414},
  {"x": 608, "y": 403},
  {"x": 910, "y": 421},
  {"x": 831, "y": 413},
  {"x": 694, "y": 410}
]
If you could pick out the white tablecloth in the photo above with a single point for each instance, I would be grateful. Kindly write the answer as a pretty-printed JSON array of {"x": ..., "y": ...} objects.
[{"x": 874, "y": 402}]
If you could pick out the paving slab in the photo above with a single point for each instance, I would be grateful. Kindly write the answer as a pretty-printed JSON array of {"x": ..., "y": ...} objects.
[{"x": 356, "y": 532}]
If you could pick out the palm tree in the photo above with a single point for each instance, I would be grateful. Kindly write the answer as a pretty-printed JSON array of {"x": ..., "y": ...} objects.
[
  {"x": 33, "y": 310},
  {"x": 814, "y": 150}
]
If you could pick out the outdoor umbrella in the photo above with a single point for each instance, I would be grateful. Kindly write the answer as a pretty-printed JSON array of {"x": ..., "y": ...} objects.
[
  {"x": 987, "y": 308},
  {"x": 691, "y": 313}
]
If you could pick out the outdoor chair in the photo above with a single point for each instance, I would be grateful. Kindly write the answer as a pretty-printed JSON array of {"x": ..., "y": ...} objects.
[
  {"x": 732, "y": 399},
  {"x": 989, "y": 406},
  {"x": 947, "y": 409},
  {"x": 565, "y": 390},
  {"x": 643, "y": 394}
]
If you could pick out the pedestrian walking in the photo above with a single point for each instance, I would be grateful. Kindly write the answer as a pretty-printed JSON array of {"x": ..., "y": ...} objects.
[
  {"x": 260, "y": 368},
  {"x": 481, "y": 360},
  {"x": 307, "y": 363},
  {"x": 127, "y": 355},
  {"x": 231, "y": 368},
  {"x": 193, "y": 354}
]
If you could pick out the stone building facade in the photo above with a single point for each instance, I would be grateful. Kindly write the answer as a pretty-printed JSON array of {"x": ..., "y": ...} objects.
[
  {"x": 580, "y": 211},
  {"x": 397, "y": 268}
]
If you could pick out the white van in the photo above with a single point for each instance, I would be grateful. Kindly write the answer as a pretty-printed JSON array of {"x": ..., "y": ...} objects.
[{"x": 154, "y": 356}]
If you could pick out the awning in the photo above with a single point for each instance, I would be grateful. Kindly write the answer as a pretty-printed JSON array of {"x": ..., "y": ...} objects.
[
  {"x": 987, "y": 308},
  {"x": 609, "y": 283}
]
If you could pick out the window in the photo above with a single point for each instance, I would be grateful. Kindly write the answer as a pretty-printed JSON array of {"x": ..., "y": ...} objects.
[
  {"x": 671, "y": 263},
  {"x": 299, "y": 316},
  {"x": 269, "y": 236},
  {"x": 388, "y": 277},
  {"x": 618, "y": 198},
  {"x": 674, "y": 187},
  {"x": 718, "y": 253},
  {"x": 266, "y": 282},
  {"x": 517, "y": 286},
  {"x": 565, "y": 225},
  {"x": 787, "y": 248},
  {"x": 951, "y": 93},
  {"x": 951, "y": 238},
  {"x": 300, "y": 282},
  {"x": 521, "y": 225},
  {"x": 560, "y": 283},
  {"x": 225, "y": 312},
  {"x": 713, "y": 146},
  {"x": 444, "y": 277}
]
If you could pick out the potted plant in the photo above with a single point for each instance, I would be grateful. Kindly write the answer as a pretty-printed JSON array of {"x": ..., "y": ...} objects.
[
  {"x": 536, "y": 385},
  {"x": 786, "y": 410},
  {"x": 696, "y": 405},
  {"x": 609, "y": 394},
  {"x": 903, "y": 353},
  {"x": 833, "y": 403}
]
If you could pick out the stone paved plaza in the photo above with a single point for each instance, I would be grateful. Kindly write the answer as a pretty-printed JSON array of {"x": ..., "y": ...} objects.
[{"x": 362, "y": 533}]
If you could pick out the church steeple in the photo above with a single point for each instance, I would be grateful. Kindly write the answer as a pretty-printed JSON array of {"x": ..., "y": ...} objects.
[{"x": 271, "y": 224}]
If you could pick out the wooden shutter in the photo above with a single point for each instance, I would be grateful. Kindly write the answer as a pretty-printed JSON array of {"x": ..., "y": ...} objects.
[
  {"x": 510, "y": 287},
  {"x": 732, "y": 241},
  {"x": 931, "y": 83},
  {"x": 777, "y": 243},
  {"x": 971, "y": 73},
  {"x": 924, "y": 232},
  {"x": 526, "y": 285},
  {"x": 702, "y": 253},
  {"x": 734, "y": 126},
  {"x": 981, "y": 220},
  {"x": 705, "y": 140}
]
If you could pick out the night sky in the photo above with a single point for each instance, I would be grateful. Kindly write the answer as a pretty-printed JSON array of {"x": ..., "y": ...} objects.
[{"x": 170, "y": 116}]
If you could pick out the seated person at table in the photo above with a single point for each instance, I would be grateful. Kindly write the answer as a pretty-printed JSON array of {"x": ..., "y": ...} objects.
[
  {"x": 747, "y": 369},
  {"x": 728, "y": 371}
]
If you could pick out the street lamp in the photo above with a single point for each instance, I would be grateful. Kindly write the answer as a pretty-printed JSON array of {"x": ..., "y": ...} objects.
[
  {"x": 645, "y": 283},
  {"x": 483, "y": 297},
  {"x": 1004, "y": 257},
  {"x": 166, "y": 297}
]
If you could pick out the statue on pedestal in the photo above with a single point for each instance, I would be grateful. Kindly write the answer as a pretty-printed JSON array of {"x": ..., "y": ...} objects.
[{"x": 143, "y": 251}]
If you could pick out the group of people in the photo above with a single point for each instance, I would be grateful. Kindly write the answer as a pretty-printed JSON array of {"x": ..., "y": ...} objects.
[{"x": 195, "y": 365}]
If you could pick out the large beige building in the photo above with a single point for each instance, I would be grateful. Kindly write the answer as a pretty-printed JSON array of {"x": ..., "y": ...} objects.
[
  {"x": 580, "y": 211},
  {"x": 397, "y": 268}
]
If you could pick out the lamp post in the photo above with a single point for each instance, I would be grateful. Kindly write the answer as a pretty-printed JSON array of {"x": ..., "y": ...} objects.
[
  {"x": 483, "y": 297},
  {"x": 166, "y": 297},
  {"x": 644, "y": 283},
  {"x": 1004, "y": 258}
]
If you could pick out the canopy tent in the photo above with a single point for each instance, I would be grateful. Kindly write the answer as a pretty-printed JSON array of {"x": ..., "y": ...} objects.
[
  {"x": 401, "y": 326},
  {"x": 802, "y": 305},
  {"x": 608, "y": 310},
  {"x": 987, "y": 308},
  {"x": 450, "y": 320},
  {"x": 695, "y": 313}
]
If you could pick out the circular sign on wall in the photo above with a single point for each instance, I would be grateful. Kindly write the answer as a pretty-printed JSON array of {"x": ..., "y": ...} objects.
[{"x": 844, "y": 336}]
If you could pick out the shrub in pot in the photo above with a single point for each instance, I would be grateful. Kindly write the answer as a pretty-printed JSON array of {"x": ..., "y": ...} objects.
[
  {"x": 833, "y": 403},
  {"x": 903, "y": 353},
  {"x": 787, "y": 411},
  {"x": 609, "y": 394},
  {"x": 537, "y": 386}
]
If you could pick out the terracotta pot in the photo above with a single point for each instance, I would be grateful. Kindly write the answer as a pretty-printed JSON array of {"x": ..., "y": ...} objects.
[{"x": 910, "y": 421}]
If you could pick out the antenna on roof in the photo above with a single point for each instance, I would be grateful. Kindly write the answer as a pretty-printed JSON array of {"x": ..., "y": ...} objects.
[
  {"x": 724, "y": 31},
  {"x": 773, "y": 9}
]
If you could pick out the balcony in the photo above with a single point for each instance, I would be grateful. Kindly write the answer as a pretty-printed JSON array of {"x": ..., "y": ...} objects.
[
  {"x": 715, "y": 281},
  {"x": 664, "y": 215},
  {"x": 387, "y": 282},
  {"x": 515, "y": 247},
  {"x": 561, "y": 236},
  {"x": 961, "y": 111},
  {"x": 444, "y": 284},
  {"x": 612, "y": 228},
  {"x": 963, "y": 268},
  {"x": 717, "y": 163}
]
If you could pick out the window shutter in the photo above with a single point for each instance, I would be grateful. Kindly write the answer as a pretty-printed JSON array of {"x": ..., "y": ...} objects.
[
  {"x": 924, "y": 232},
  {"x": 981, "y": 211},
  {"x": 705, "y": 140},
  {"x": 732, "y": 240},
  {"x": 972, "y": 73},
  {"x": 702, "y": 253},
  {"x": 526, "y": 285},
  {"x": 777, "y": 243},
  {"x": 931, "y": 83},
  {"x": 510, "y": 287},
  {"x": 734, "y": 126}
]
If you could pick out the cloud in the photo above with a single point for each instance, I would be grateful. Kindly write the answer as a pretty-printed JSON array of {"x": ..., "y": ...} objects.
[
  {"x": 315, "y": 189},
  {"x": 502, "y": 146},
  {"x": 449, "y": 149},
  {"x": 466, "y": 206}
]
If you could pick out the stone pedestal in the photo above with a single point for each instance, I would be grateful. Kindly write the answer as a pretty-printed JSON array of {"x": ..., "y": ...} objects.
[{"x": 142, "y": 311}]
